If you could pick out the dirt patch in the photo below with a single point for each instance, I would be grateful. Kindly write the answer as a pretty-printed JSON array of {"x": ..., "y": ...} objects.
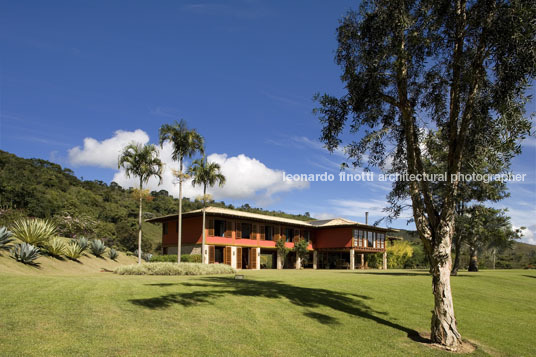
[{"x": 466, "y": 347}]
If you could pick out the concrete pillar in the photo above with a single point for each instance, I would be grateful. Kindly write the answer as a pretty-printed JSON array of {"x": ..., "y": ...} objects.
[
  {"x": 204, "y": 255},
  {"x": 233, "y": 257},
  {"x": 298, "y": 262},
  {"x": 279, "y": 261},
  {"x": 258, "y": 265},
  {"x": 384, "y": 260},
  {"x": 315, "y": 259},
  {"x": 362, "y": 261},
  {"x": 352, "y": 259}
]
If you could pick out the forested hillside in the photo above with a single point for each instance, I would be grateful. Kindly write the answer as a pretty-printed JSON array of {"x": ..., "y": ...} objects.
[{"x": 39, "y": 188}]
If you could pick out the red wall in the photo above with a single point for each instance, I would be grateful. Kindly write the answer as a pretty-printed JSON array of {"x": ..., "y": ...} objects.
[
  {"x": 332, "y": 238},
  {"x": 191, "y": 231}
]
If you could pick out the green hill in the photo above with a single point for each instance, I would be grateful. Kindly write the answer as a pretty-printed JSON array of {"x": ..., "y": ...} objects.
[{"x": 40, "y": 188}]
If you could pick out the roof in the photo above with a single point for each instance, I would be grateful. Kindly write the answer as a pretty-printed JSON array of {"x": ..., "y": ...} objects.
[{"x": 335, "y": 222}]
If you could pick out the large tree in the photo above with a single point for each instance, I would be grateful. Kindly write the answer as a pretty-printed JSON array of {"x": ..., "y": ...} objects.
[
  {"x": 141, "y": 161},
  {"x": 451, "y": 68},
  {"x": 186, "y": 143},
  {"x": 205, "y": 174}
]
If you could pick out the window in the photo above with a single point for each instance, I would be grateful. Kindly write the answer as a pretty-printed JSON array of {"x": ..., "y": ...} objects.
[
  {"x": 359, "y": 236},
  {"x": 268, "y": 232},
  {"x": 370, "y": 239},
  {"x": 307, "y": 236},
  {"x": 219, "y": 228},
  {"x": 381, "y": 240},
  {"x": 246, "y": 230},
  {"x": 165, "y": 228},
  {"x": 289, "y": 234}
]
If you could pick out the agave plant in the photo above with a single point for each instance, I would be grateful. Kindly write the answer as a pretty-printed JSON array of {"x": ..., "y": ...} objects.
[
  {"x": 34, "y": 231},
  {"x": 5, "y": 238},
  {"x": 97, "y": 247},
  {"x": 55, "y": 247},
  {"x": 73, "y": 251},
  {"x": 112, "y": 253},
  {"x": 25, "y": 253},
  {"x": 146, "y": 256},
  {"x": 83, "y": 243}
]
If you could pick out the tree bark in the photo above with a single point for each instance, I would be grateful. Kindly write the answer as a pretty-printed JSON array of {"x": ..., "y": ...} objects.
[
  {"x": 204, "y": 228},
  {"x": 139, "y": 226},
  {"x": 179, "y": 224},
  {"x": 473, "y": 260},
  {"x": 457, "y": 251},
  {"x": 444, "y": 330}
]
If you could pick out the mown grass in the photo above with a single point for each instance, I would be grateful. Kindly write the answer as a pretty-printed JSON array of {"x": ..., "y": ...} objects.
[{"x": 275, "y": 313}]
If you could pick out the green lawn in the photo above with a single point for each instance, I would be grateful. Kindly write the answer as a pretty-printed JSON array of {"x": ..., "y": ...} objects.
[{"x": 274, "y": 313}]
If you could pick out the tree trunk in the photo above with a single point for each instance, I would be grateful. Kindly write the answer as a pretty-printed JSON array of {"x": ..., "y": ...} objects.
[
  {"x": 139, "y": 227},
  {"x": 204, "y": 227},
  {"x": 457, "y": 248},
  {"x": 179, "y": 224},
  {"x": 444, "y": 330},
  {"x": 473, "y": 260}
]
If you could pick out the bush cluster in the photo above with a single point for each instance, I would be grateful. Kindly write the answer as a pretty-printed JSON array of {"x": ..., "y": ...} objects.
[
  {"x": 172, "y": 258},
  {"x": 174, "y": 269}
]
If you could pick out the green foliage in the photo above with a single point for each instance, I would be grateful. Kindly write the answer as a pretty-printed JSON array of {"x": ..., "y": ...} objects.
[
  {"x": 5, "y": 238},
  {"x": 146, "y": 256},
  {"x": 70, "y": 226},
  {"x": 97, "y": 247},
  {"x": 25, "y": 253},
  {"x": 174, "y": 269},
  {"x": 113, "y": 254},
  {"x": 55, "y": 247},
  {"x": 172, "y": 258},
  {"x": 300, "y": 247},
  {"x": 83, "y": 243},
  {"x": 399, "y": 254},
  {"x": 282, "y": 250},
  {"x": 34, "y": 231},
  {"x": 73, "y": 250}
]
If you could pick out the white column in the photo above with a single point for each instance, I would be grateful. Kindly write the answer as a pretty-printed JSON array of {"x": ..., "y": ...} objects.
[
  {"x": 279, "y": 261},
  {"x": 258, "y": 258},
  {"x": 315, "y": 259},
  {"x": 362, "y": 261},
  {"x": 384, "y": 260},
  {"x": 204, "y": 255},
  {"x": 298, "y": 262},
  {"x": 352, "y": 259},
  {"x": 233, "y": 257}
]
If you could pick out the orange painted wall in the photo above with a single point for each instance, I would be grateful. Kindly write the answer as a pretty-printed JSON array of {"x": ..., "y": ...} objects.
[
  {"x": 191, "y": 231},
  {"x": 332, "y": 238}
]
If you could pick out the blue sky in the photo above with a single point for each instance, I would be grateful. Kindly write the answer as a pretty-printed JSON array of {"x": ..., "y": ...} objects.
[{"x": 78, "y": 79}]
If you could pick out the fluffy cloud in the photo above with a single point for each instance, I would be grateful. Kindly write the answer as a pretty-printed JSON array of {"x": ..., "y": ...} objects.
[
  {"x": 246, "y": 178},
  {"x": 105, "y": 153}
]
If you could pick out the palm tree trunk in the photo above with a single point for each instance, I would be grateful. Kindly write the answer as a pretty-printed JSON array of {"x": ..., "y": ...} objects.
[
  {"x": 204, "y": 227},
  {"x": 139, "y": 226},
  {"x": 473, "y": 260},
  {"x": 179, "y": 225}
]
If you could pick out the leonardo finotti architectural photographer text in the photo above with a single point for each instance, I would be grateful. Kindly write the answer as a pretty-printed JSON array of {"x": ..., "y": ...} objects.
[{"x": 371, "y": 176}]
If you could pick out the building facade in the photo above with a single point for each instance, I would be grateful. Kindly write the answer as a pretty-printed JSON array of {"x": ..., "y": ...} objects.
[{"x": 247, "y": 240}]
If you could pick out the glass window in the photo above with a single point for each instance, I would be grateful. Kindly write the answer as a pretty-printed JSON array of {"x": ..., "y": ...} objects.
[
  {"x": 219, "y": 228},
  {"x": 165, "y": 228},
  {"x": 289, "y": 234},
  {"x": 246, "y": 230},
  {"x": 307, "y": 236},
  {"x": 268, "y": 232},
  {"x": 370, "y": 239}
]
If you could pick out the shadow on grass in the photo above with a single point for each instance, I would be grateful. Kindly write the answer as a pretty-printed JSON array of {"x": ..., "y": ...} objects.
[
  {"x": 211, "y": 288},
  {"x": 530, "y": 276}
]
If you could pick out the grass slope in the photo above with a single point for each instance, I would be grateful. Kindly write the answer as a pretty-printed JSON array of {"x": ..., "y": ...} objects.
[{"x": 278, "y": 313}]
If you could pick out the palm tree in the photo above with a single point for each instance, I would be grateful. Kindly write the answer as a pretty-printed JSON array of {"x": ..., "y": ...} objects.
[
  {"x": 186, "y": 143},
  {"x": 141, "y": 161},
  {"x": 205, "y": 174}
]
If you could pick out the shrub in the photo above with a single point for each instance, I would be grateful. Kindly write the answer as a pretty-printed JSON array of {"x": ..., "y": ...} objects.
[
  {"x": 55, "y": 247},
  {"x": 5, "y": 238},
  {"x": 83, "y": 243},
  {"x": 25, "y": 253},
  {"x": 97, "y": 247},
  {"x": 73, "y": 251},
  {"x": 172, "y": 258},
  {"x": 34, "y": 231},
  {"x": 174, "y": 269},
  {"x": 112, "y": 254},
  {"x": 146, "y": 256}
]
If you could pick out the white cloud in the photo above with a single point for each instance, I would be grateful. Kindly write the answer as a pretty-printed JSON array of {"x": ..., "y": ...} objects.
[
  {"x": 529, "y": 234},
  {"x": 246, "y": 178},
  {"x": 105, "y": 153}
]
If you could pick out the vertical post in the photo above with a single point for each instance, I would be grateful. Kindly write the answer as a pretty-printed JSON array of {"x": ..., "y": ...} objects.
[
  {"x": 233, "y": 257},
  {"x": 384, "y": 260},
  {"x": 298, "y": 262},
  {"x": 279, "y": 263},
  {"x": 362, "y": 261},
  {"x": 352, "y": 259},
  {"x": 258, "y": 265},
  {"x": 315, "y": 259}
]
